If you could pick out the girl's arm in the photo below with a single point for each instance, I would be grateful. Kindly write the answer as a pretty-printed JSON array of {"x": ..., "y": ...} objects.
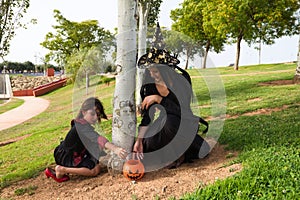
[{"x": 122, "y": 153}]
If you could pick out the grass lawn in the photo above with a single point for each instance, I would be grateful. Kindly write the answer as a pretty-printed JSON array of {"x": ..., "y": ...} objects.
[
  {"x": 268, "y": 144},
  {"x": 11, "y": 104}
]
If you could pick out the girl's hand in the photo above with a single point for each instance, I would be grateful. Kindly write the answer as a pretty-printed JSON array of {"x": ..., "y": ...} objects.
[{"x": 122, "y": 153}]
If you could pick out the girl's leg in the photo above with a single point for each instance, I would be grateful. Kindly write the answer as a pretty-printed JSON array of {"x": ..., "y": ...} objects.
[{"x": 83, "y": 171}]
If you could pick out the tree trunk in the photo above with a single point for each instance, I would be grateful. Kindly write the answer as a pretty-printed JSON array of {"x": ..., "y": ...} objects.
[
  {"x": 142, "y": 36},
  {"x": 124, "y": 115},
  {"x": 259, "y": 53},
  {"x": 238, "y": 52},
  {"x": 207, "y": 47},
  {"x": 297, "y": 74},
  {"x": 187, "y": 59}
]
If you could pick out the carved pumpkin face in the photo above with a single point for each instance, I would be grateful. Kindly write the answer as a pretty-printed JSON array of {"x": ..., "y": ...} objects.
[{"x": 133, "y": 170}]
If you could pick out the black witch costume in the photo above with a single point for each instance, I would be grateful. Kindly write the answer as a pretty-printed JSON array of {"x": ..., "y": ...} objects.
[{"x": 172, "y": 135}]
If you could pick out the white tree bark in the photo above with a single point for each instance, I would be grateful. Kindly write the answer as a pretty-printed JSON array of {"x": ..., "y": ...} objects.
[
  {"x": 297, "y": 74},
  {"x": 124, "y": 115},
  {"x": 142, "y": 36}
]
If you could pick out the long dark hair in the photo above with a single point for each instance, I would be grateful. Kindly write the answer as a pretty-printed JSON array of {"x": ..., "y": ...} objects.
[
  {"x": 90, "y": 104},
  {"x": 177, "y": 82},
  {"x": 164, "y": 72}
]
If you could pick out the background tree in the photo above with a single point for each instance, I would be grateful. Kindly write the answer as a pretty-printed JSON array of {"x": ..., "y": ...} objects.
[
  {"x": 297, "y": 74},
  {"x": 124, "y": 116},
  {"x": 86, "y": 62},
  {"x": 190, "y": 20},
  {"x": 72, "y": 37},
  {"x": 253, "y": 20},
  {"x": 147, "y": 15},
  {"x": 182, "y": 45},
  {"x": 16, "y": 67},
  {"x": 11, "y": 12}
]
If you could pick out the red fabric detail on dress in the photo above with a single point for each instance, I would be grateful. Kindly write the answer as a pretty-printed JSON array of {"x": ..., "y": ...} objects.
[
  {"x": 102, "y": 141},
  {"x": 77, "y": 157}
]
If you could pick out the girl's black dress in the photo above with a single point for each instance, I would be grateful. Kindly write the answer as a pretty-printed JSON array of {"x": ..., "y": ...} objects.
[{"x": 81, "y": 147}]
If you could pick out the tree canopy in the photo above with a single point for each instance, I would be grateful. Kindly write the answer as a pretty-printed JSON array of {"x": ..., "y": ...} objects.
[
  {"x": 235, "y": 20},
  {"x": 189, "y": 20},
  {"x": 71, "y": 37},
  {"x": 11, "y": 11}
]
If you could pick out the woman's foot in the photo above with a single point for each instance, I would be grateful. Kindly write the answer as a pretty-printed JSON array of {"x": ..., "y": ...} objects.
[{"x": 176, "y": 163}]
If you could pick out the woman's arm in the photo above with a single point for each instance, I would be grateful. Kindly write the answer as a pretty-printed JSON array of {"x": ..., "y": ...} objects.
[
  {"x": 138, "y": 145},
  {"x": 149, "y": 100}
]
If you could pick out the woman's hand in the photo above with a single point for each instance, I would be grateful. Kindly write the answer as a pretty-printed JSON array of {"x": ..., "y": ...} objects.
[
  {"x": 138, "y": 149},
  {"x": 151, "y": 99}
]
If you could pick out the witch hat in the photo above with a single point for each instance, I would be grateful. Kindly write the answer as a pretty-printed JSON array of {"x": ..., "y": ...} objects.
[{"x": 157, "y": 53}]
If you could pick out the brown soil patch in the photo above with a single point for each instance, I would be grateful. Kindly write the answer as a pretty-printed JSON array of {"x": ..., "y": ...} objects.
[
  {"x": 254, "y": 100},
  {"x": 14, "y": 140},
  {"x": 163, "y": 183},
  {"x": 277, "y": 82},
  {"x": 263, "y": 111}
]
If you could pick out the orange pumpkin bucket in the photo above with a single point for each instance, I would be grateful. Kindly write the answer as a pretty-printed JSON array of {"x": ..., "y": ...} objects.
[{"x": 133, "y": 170}]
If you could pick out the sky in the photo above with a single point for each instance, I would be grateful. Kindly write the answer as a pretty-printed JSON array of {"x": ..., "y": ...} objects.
[{"x": 25, "y": 46}]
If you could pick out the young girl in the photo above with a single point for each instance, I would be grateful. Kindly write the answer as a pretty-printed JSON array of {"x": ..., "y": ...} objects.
[{"x": 80, "y": 151}]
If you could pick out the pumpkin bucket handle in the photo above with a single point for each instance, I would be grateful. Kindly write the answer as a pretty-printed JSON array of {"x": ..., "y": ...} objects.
[{"x": 133, "y": 156}]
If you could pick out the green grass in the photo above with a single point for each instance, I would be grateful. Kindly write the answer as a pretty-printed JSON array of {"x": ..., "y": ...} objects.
[
  {"x": 11, "y": 104},
  {"x": 268, "y": 144},
  {"x": 28, "y": 157},
  {"x": 241, "y": 89}
]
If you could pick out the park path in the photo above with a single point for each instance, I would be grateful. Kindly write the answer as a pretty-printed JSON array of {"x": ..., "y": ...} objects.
[{"x": 31, "y": 107}]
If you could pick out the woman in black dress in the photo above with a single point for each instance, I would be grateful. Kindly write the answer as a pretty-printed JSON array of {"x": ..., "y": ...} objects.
[
  {"x": 82, "y": 147},
  {"x": 168, "y": 132}
]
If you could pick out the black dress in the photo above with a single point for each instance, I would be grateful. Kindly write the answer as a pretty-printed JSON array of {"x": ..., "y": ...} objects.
[
  {"x": 81, "y": 147},
  {"x": 172, "y": 130}
]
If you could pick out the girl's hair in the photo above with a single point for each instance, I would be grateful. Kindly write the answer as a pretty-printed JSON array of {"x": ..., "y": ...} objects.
[{"x": 90, "y": 104}]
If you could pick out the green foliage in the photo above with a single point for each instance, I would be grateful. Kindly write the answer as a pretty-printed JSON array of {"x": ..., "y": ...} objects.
[
  {"x": 72, "y": 41},
  {"x": 179, "y": 43},
  {"x": 211, "y": 22},
  {"x": 152, "y": 8},
  {"x": 86, "y": 62},
  {"x": 254, "y": 20},
  {"x": 11, "y": 13},
  {"x": 189, "y": 20},
  {"x": 18, "y": 67}
]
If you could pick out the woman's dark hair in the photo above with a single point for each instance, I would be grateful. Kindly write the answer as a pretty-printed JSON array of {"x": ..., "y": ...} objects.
[
  {"x": 90, "y": 104},
  {"x": 175, "y": 81},
  {"x": 164, "y": 72}
]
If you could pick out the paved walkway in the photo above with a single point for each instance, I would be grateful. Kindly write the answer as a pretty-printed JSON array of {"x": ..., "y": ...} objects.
[{"x": 31, "y": 107}]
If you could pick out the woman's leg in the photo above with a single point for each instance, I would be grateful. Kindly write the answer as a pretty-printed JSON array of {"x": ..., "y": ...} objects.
[{"x": 83, "y": 171}]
